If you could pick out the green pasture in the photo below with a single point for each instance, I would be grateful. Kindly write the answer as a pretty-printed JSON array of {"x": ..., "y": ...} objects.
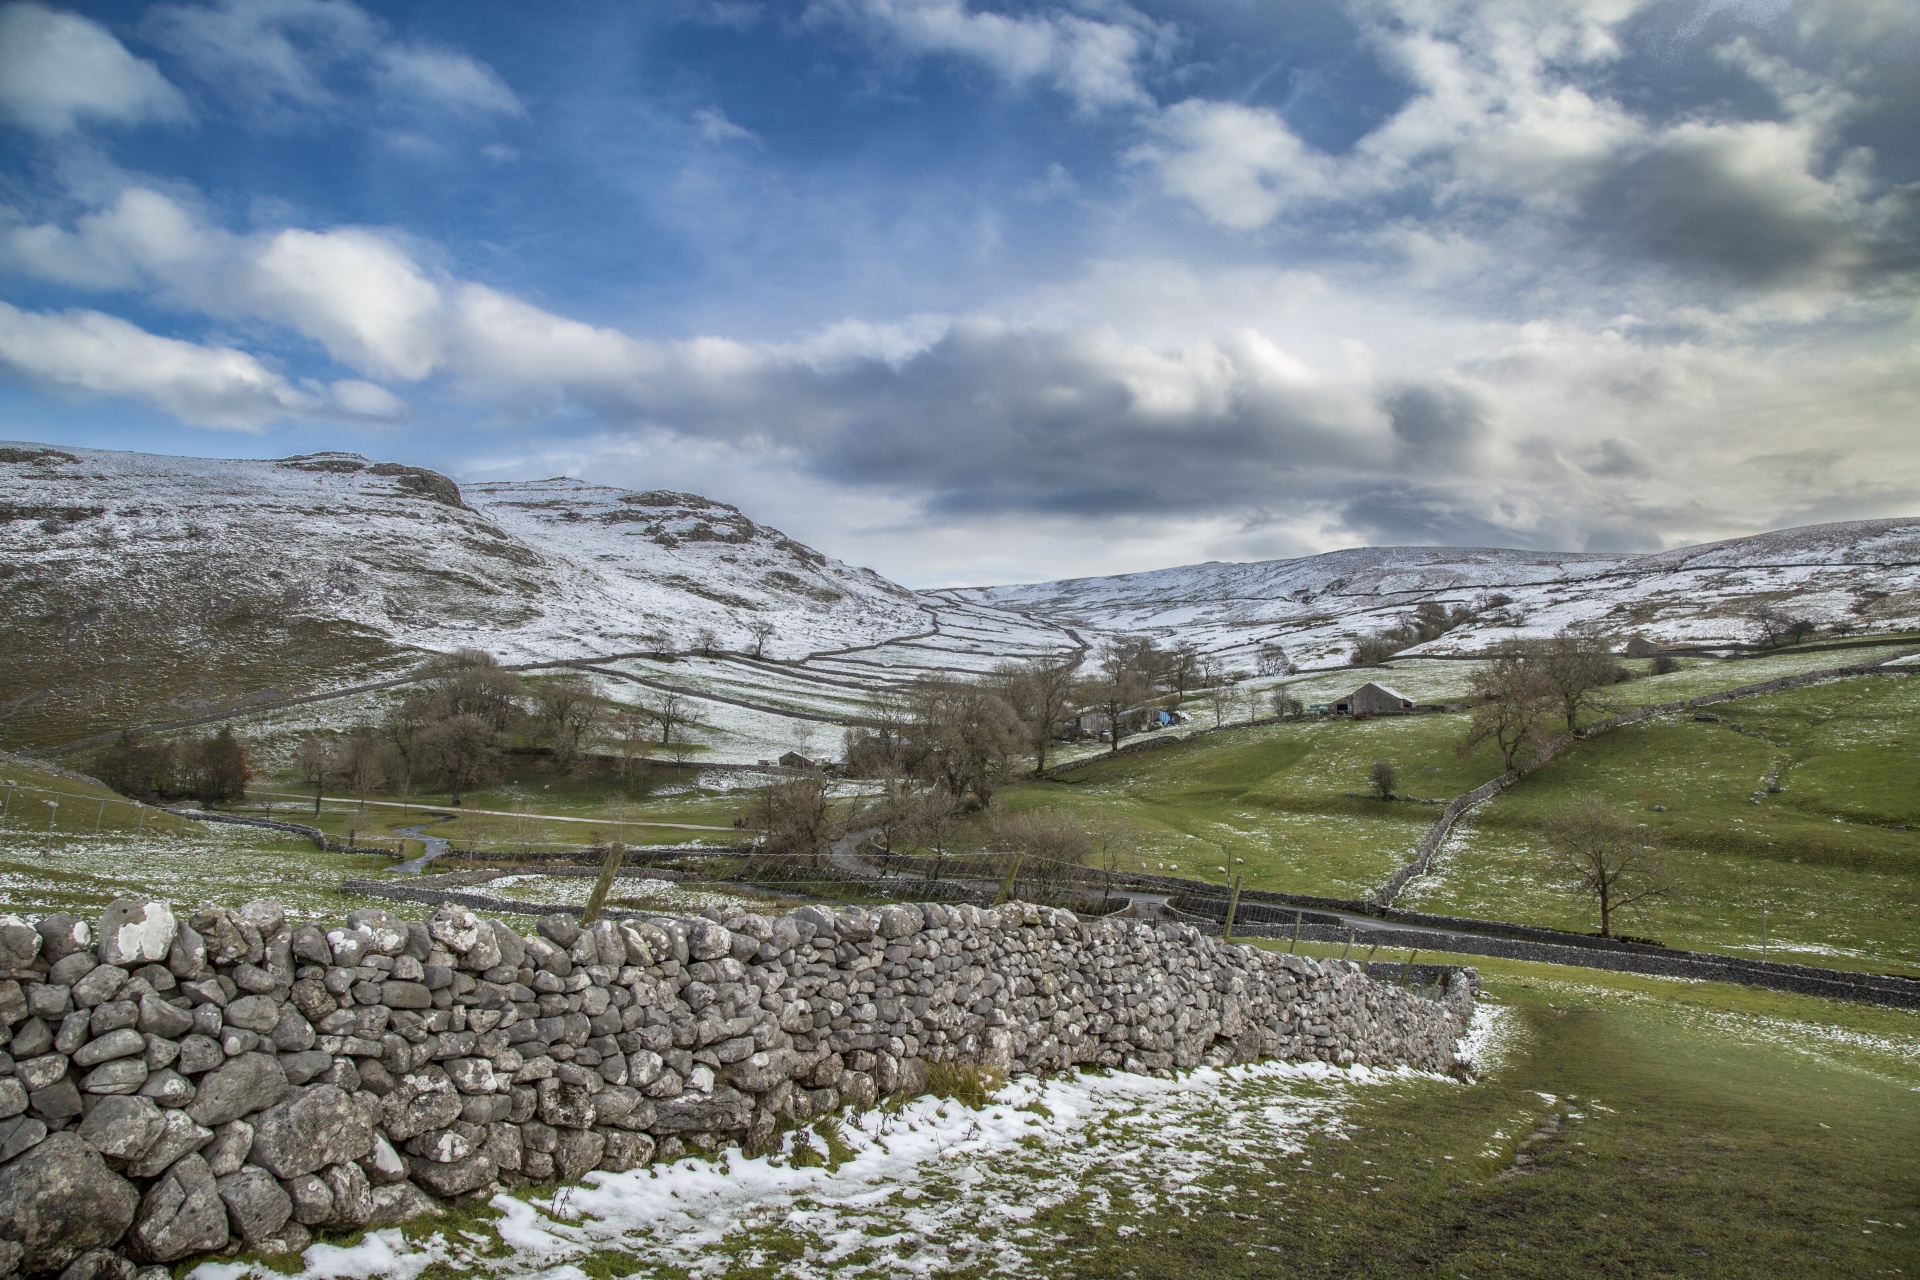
[
  {"x": 97, "y": 846},
  {"x": 1833, "y": 857},
  {"x": 1282, "y": 804},
  {"x": 1669, "y": 1129}
]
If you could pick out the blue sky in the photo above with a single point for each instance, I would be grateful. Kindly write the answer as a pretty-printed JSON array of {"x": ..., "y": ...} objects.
[{"x": 991, "y": 292}]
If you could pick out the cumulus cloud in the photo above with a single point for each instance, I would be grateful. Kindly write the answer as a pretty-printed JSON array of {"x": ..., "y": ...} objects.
[
  {"x": 1515, "y": 128},
  {"x": 1094, "y": 62},
  {"x": 58, "y": 70},
  {"x": 289, "y": 59},
  {"x": 90, "y": 353}
]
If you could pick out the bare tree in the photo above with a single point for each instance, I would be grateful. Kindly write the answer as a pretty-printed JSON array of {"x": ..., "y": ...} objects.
[
  {"x": 1219, "y": 692},
  {"x": 400, "y": 733},
  {"x": 1774, "y": 627},
  {"x": 569, "y": 707},
  {"x": 1572, "y": 670},
  {"x": 672, "y": 713},
  {"x": 1273, "y": 661},
  {"x": 1123, "y": 679},
  {"x": 1385, "y": 778},
  {"x": 1606, "y": 858},
  {"x": 631, "y": 731},
  {"x": 794, "y": 818},
  {"x": 965, "y": 735},
  {"x": 1185, "y": 665},
  {"x": 358, "y": 762},
  {"x": 706, "y": 640},
  {"x": 935, "y": 819},
  {"x": 1286, "y": 706},
  {"x": 1512, "y": 705},
  {"x": 1040, "y": 692},
  {"x": 313, "y": 761},
  {"x": 761, "y": 631},
  {"x": 464, "y": 749},
  {"x": 1113, "y": 849},
  {"x": 472, "y": 683}
]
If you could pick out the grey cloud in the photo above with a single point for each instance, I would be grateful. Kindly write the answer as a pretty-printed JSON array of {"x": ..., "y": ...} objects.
[
  {"x": 1616, "y": 457},
  {"x": 992, "y": 418},
  {"x": 1437, "y": 425},
  {"x": 1405, "y": 512}
]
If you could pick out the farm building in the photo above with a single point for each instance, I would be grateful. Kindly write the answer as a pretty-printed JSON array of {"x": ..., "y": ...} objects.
[
  {"x": 1372, "y": 699},
  {"x": 794, "y": 760}
]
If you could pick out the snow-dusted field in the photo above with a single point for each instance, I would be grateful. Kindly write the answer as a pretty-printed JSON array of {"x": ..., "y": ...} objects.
[{"x": 931, "y": 1188}]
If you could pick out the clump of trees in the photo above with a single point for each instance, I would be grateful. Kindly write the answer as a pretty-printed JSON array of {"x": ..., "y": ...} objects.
[
  {"x": 1429, "y": 620},
  {"x": 1606, "y": 859},
  {"x": 1524, "y": 694},
  {"x": 1774, "y": 627},
  {"x": 210, "y": 769}
]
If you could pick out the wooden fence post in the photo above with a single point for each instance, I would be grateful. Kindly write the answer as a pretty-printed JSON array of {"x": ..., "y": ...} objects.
[
  {"x": 1006, "y": 889},
  {"x": 1233, "y": 905},
  {"x": 608, "y": 870}
]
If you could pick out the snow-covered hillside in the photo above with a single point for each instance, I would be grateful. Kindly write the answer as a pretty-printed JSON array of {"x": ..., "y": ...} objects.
[
  {"x": 1866, "y": 572},
  {"x": 139, "y": 588},
  {"x": 529, "y": 571}
]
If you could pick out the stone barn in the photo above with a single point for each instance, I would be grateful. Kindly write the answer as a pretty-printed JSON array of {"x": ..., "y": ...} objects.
[{"x": 1372, "y": 699}]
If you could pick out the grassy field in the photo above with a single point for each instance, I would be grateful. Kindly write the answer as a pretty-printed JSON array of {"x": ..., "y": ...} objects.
[
  {"x": 1282, "y": 804},
  {"x": 1833, "y": 857},
  {"x": 97, "y": 846},
  {"x": 1668, "y": 1129},
  {"x": 1618, "y": 1127},
  {"x": 534, "y": 805}
]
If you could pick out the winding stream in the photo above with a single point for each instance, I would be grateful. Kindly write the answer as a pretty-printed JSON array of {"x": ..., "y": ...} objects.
[{"x": 436, "y": 846}]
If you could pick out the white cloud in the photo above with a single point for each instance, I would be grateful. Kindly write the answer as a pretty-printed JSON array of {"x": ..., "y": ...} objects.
[
  {"x": 298, "y": 57},
  {"x": 710, "y": 124},
  {"x": 1240, "y": 165},
  {"x": 1093, "y": 62},
  {"x": 451, "y": 80},
  {"x": 142, "y": 236},
  {"x": 89, "y": 352},
  {"x": 58, "y": 69},
  {"x": 357, "y": 294}
]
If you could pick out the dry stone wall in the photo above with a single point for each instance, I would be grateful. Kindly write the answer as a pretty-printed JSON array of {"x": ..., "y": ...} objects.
[{"x": 174, "y": 1087}]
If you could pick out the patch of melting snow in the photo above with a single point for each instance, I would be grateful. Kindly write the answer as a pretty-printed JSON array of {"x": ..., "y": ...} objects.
[{"x": 929, "y": 1188}]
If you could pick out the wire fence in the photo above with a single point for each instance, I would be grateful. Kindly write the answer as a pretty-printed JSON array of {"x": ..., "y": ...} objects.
[{"x": 72, "y": 814}]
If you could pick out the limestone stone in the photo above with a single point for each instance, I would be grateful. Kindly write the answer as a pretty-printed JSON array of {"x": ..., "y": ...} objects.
[
  {"x": 179, "y": 1137},
  {"x": 181, "y": 1214},
  {"x": 232, "y": 1143},
  {"x": 59, "y": 1200},
  {"x": 101, "y": 983},
  {"x": 457, "y": 1178},
  {"x": 241, "y": 1085},
  {"x": 122, "y": 1128},
  {"x": 322, "y": 1126},
  {"x": 257, "y": 1206},
  {"x": 161, "y": 1018},
  {"x": 312, "y": 1201},
  {"x": 21, "y": 1133},
  {"x": 168, "y": 1088},
  {"x": 135, "y": 931},
  {"x": 398, "y": 1202},
  {"x": 256, "y": 1013},
  {"x": 352, "y": 1195}
]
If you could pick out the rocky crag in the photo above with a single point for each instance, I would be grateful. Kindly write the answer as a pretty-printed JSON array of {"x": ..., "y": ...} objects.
[{"x": 173, "y": 1088}]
